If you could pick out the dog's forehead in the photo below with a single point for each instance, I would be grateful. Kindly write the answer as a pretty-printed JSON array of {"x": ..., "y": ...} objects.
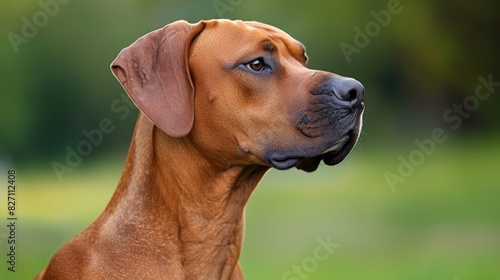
[
  {"x": 250, "y": 32},
  {"x": 277, "y": 33}
]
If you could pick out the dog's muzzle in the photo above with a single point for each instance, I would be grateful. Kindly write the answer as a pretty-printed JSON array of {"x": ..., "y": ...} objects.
[{"x": 334, "y": 117}]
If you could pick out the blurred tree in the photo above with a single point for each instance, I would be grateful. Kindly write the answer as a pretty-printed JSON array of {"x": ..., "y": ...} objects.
[{"x": 427, "y": 58}]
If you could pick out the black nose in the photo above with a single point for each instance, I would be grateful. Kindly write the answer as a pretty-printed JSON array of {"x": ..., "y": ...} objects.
[{"x": 348, "y": 91}]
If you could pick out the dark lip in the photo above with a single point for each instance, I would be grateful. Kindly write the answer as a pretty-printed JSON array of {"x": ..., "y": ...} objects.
[
  {"x": 284, "y": 162},
  {"x": 311, "y": 163},
  {"x": 335, "y": 157},
  {"x": 331, "y": 158}
]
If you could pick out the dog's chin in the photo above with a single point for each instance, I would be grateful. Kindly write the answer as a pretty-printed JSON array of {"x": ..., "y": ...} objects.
[{"x": 333, "y": 155}]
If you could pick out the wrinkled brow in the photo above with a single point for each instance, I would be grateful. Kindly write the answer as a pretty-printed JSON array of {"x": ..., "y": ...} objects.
[{"x": 268, "y": 46}]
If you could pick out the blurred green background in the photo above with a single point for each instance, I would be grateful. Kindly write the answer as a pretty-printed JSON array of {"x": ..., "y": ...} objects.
[{"x": 437, "y": 217}]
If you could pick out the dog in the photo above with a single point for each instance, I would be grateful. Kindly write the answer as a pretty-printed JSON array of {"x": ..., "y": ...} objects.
[{"x": 221, "y": 102}]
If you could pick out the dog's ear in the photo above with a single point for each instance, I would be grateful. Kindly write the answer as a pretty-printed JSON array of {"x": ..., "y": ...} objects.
[{"x": 154, "y": 72}]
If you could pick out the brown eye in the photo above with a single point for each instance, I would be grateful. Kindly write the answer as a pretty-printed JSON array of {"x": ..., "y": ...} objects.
[{"x": 256, "y": 65}]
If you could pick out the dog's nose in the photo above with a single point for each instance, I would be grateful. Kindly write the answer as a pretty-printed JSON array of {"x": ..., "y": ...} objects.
[{"x": 348, "y": 91}]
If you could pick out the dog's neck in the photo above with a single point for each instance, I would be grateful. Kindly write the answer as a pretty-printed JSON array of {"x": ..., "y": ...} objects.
[{"x": 193, "y": 215}]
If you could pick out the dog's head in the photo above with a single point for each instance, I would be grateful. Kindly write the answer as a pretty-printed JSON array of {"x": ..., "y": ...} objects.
[{"x": 243, "y": 93}]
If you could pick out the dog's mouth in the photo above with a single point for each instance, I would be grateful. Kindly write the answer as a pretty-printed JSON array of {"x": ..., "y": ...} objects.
[{"x": 333, "y": 155}]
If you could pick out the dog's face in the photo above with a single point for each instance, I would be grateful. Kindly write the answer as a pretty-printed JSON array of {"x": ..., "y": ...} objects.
[
  {"x": 242, "y": 93},
  {"x": 256, "y": 99}
]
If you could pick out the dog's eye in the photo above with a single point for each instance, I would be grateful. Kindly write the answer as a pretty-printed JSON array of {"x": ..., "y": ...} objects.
[{"x": 257, "y": 65}]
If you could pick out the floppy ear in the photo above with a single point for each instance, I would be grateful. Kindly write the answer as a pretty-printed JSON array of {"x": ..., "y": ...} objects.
[{"x": 154, "y": 72}]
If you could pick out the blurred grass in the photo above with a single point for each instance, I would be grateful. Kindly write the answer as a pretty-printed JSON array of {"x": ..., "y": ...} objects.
[{"x": 442, "y": 223}]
